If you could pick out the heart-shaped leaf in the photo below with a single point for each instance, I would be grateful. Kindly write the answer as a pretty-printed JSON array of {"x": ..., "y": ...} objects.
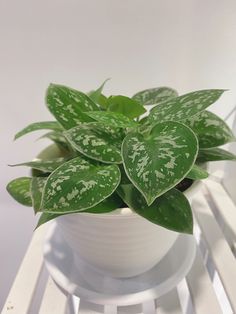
[
  {"x": 113, "y": 119},
  {"x": 197, "y": 173},
  {"x": 96, "y": 141},
  {"x": 68, "y": 105},
  {"x": 109, "y": 204},
  {"x": 19, "y": 189},
  {"x": 43, "y": 165},
  {"x": 50, "y": 125},
  {"x": 171, "y": 210},
  {"x": 185, "y": 106},
  {"x": 210, "y": 129},
  {"x": 125, "y": 105},
  {"x": 214, "y": 154},
  {"x": 153, "y": 96},
  {"x": 36, "y": 188},
  {"x": 157, "y": 162},
  {"x": 78, "y": 185}
]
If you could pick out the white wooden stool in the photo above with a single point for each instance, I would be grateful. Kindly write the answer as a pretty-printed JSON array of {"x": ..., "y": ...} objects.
[{"x": 209, "y": 287}]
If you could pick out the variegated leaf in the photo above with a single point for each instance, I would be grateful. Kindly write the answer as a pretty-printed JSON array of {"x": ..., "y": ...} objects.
[
  {"x": 157, "y": 162},
  {"x": 97, "y": 141},
  {"x": 211, "y": 130},
  {"x": 185, "y": 106},
  {"x": 154, "y": 96},
  {"x": 19, "y": 189},
  {"x": 43, "y": 165},
  {"x": 49, "y": 125},
  {"x": 113, "y": 119},
  {"x": 36, "y": 188},
  {"x": 214, "y": 154},
  {"x": 125, "y": 105},
  {"x": 68, "y": 105},
  {"x": 78, "y": 185},
  {"x": 171, "y": 210},
  {"x": 109, "y": 204},
  {"x": 197, "y": 173}
]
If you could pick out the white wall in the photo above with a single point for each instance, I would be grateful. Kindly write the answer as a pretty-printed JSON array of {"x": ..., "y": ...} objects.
[{"x": 184, "y": 44}]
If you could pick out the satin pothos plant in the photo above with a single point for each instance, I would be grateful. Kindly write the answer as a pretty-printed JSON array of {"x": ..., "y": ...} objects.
[{"x": 114, "y": 154}]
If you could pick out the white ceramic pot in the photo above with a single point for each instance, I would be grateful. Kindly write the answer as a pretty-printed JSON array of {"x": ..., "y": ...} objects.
[{"x": 119, "y": 243}]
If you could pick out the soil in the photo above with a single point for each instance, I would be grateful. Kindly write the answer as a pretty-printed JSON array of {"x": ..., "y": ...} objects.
[{"x": 184, "y": 184}]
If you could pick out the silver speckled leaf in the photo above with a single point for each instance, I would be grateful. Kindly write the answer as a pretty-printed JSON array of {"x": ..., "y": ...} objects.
[
  {"x": 185, "y": 106},
  {"x": 36, "y": 188},
  {"x": 113, "y": 119},
  {"x": 109, "y": 204},
  {"x": 69, "y": 106},
  {"x": 154, "y": 96},
  {"x": 19, "y": 189},
  {"x": 78, "y": 185},
  {"x": 171, "y": 210},
  {"x": 215, "y": 154},
  {"x": 43, "y": 165},
  {"x": 49, "y": 125},
  {"x": 97, "y": 141},
  {"x": 157, "y": 162},
  {"x": 210, "y": 129}
]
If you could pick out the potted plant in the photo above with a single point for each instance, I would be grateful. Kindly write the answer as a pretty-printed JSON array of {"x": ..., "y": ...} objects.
[{"x": 119, "y": 184}]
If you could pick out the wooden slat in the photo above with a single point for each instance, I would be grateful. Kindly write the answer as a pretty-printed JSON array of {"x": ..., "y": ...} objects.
[
  {"x": 54, "y": 301},
  {"x": 201, "y": 290},
  {"x": 218, "y": 247},
  {"x": 25, "y": 284},
  {"x": 226, "y": 209},
  {"x": 169, "y": 303}
]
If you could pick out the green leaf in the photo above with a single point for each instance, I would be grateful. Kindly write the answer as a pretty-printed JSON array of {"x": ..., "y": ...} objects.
[
  {"x": 50, "y": 125},
  {"x": 157, "y": 162},
  {"x": 78, "y": 185},
  {"x": 36, "y": 188},
  {"x": 211, "y": 130},
  {"x": 57, "y": 138},
  {"x": 197, "y": 173},
  {"x": 214, "y": 154},
  {"x": 19, "y": 189},
  {"x": 109, "y": 204},
  {"x": 113, "y": 119},
  {"x": 154, "y": 96},
  {"x": 68, "y": 105},
  {"x": 185, "y": 106},
  {"x": 43, "y": 165},
  {"x": 171, "y": 210},
  {"x": 125, "y": 105},
  {"x": 95, "y": 95},
  {"x": 97, "y": 141}
]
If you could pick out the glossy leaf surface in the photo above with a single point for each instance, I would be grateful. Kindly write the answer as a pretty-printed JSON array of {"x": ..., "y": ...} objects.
[
  {"x": 154, "y": 96},
  {"x": 210, "y": 129},
  {"x": 185, "y": 106},
  {"x": 171, "y": 210},
  {"x": 96, "y": 141},
  {"x": 78, "y": 185},
  {"x": 69, "y": 105},
  {"x": 157, "y": 162}
]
